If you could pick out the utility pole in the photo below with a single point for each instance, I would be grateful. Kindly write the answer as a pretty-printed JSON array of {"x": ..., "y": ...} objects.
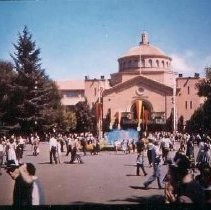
[
  {"x": 99, "y": 110},
  {"x": 174, "y": 106}
]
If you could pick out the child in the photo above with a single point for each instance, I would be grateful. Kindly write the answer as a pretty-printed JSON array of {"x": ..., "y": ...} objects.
[{"x": 140, "y": 164}]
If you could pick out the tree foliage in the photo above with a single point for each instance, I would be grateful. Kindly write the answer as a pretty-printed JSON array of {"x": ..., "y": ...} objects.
[
  {"x": 204, "y": 86},
  {"x": 85, "y": 117},
  {"x": 201, "y": 119},
  {"x": 180, "y": 124},
  {"x": 36, "y": 97},
  {"x": 6, "y": 79},
  {"x": 69, "y": 121}
]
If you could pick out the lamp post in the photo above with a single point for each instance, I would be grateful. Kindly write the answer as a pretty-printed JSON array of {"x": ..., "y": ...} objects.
[
  {"x": 99, "y": 108},
  {"x": 35, "y": 88},
  {"x": 174, "y": 106}
]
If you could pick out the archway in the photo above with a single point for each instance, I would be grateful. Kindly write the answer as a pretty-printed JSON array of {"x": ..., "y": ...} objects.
[
  {"x": 145, "y": 113},
  {"x": 146, "y": 106}
]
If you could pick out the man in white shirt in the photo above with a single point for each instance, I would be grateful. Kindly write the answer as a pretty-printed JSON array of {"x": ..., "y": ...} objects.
[
  {"x": 53, "y": 149},
  {"x": 156, "y": 167}
]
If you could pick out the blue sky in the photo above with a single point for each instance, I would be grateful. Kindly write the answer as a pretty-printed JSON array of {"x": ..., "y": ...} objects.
[{"x": 86, "y": 37}]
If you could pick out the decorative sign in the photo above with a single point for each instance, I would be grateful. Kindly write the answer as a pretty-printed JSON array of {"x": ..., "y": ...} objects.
[{"x": 139, "y": 91}]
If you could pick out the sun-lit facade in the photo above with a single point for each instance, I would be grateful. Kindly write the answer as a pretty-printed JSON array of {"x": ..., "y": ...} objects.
[{"x": 144, "y": 75}]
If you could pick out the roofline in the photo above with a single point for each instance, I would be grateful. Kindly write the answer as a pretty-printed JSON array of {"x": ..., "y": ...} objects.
[
  {"x": 132, "y": 72},
  {"x": 145, "y": 80},
  {"x": 146, "y": 56}
]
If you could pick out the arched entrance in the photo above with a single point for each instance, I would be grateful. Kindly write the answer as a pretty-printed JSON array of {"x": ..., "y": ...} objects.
[
  {"x": 146, "y": 107},
  {"x": 144, "y": 110}
]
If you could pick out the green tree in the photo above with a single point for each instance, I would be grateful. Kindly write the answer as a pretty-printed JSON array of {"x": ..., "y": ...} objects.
[
  {"x": 106, "y": 121},
  {"x": 180, "y": 124},
  {"x": 200, "y": 121},
  {"x": 85, "y": 117},
  {"x": 169, "y": 122},
  {"x": 6, "y": 79},
  {"x": 36, "y": 96},
  {"x": 69, "y": 121},
  {"x": 204, "y": 86}
]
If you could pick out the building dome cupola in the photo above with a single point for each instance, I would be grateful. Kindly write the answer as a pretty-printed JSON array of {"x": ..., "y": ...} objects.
[
  {"x": 144, "y": 39},
  {"x": 144, "y": 57}
]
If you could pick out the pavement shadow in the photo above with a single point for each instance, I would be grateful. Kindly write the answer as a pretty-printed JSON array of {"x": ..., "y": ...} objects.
[
  {"x": 131, "y": 175},
  {"x": 122, "y": 154},
  {"x": 66, "y": 162},
  {"x": 45, "y": 163},
  {"x": 150, "y": 200},
  {"x": 143, "y": 188},
  {"x": 129, "y": 165}
]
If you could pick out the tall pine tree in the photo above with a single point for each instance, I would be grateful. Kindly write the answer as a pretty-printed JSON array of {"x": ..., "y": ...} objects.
[
  {"x": 36, "y": 97},
  {"x": 6, "y": 79}
]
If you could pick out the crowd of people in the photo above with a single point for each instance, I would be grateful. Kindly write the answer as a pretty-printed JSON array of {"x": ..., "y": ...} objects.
[
  {"x": 12, "y": 147},
  {"x": 188, "y": 179}
]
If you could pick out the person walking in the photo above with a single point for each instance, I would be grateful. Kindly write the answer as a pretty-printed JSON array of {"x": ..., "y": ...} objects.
[
  {"x": 1, "y": 154},
  {"x": 74, "y": 154},
  {"x": 166, "y": 144},
  {"x": 190, "y": 148},
  {"x": 140, "y": 164},
  {"x": 53, "y": 149},
  {"x": 83, "y": 145},
  {"x": 22, "y": 193},
  {"x": 10, "y": 151},
  {"x": 181, "y": 186},
  {"x": 150, "y": 146},
  {"x": 69, "y": 144},
  {"x": 28, "y": 172},
  {"x": 156, "y": 154},
  {"x": 140, "y": 145}
]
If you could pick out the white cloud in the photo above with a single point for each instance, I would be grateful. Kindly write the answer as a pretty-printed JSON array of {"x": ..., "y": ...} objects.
[
  {"x": 181, "y": 65},
  {"x": 190, "y": 62}
]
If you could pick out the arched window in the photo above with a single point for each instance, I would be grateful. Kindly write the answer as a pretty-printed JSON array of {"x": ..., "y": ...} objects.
[
  {"x": 188, "y": 90},
  {"x": 167, "y": 64},
  {"x": 135, "y": 63},
  {"x": 163, "y": 64},
  {"x": 120, "y": 66},
  {"x": 150, "y": 62},
  {"x": 157, "y": 63},
  {"x": 143, "y": 63},
  {"x": 123, "y": 65},
  {"x": 191, "y": 105}
]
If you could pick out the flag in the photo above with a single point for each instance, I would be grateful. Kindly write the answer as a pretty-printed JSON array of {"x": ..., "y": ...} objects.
[
  {"x": 146, "y": 116},
  {"x": 119, "y": 117},
  {"x": 98, "y": 110},
  {"x": 138, "y": 110}
]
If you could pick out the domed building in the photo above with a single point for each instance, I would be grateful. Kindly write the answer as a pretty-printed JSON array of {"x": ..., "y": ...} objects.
[
  {"x": 144, "y": 92},
  {"x": 141, "y": 91}
]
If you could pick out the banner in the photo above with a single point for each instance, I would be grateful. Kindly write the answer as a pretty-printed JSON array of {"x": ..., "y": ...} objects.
[
  {"x": 111, "y": 119},
  {"x": 119, "y": 117},
  {"x": 98, "y": 110},
  {"x": 146, "y": 116},
  {"x": 138, "y": 110}
]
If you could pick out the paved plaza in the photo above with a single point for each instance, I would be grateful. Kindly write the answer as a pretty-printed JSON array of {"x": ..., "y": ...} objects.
[{"x": 107, "y": 178}]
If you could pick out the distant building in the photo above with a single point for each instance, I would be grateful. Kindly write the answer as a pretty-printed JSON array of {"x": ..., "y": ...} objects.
[
  {"x": 141, "y": 92},
  {"x": 72, "y": 91}
]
